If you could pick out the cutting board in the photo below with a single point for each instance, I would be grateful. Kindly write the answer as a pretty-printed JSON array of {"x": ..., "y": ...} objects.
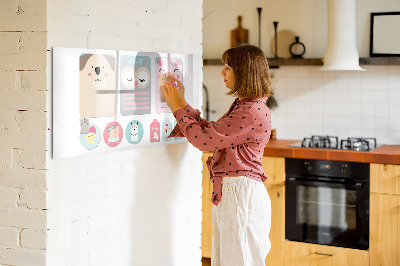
[{"x": 239, "y": 35}]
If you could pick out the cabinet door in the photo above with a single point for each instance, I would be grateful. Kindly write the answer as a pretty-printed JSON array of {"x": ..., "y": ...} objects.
[
  {"x": 274, "y": 168},
  {"x": 385, "y": 178},
  {"x": 305, "y": 254},
  {"x": 277, "y": 233},
  {"x": 384, "y": 229},
  {"x": 206, "y": 226}
]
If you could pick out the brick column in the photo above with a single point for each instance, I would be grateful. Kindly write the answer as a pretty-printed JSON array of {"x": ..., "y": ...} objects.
[{"x": 23, "y": 129}]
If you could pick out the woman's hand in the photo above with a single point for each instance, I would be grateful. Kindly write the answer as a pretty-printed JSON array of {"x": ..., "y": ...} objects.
[{"x": 172, "y": 93}]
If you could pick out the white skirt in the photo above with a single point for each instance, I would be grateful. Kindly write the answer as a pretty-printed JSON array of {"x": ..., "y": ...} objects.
[{"x": 241, "y": 223}]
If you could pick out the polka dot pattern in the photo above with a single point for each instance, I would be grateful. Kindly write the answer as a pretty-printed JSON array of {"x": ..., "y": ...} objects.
[{"x": 238, "y": 139}]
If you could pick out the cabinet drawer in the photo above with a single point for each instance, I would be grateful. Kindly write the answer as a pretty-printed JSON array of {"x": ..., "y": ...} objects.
[{"x": 297, "y": 253}]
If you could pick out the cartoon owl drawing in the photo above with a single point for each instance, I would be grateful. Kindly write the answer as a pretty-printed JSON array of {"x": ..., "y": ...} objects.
[
  {"x": 166, "y": 65},
  {"x": 135, "y": 85},
  {"x": 97, "y": 85}
]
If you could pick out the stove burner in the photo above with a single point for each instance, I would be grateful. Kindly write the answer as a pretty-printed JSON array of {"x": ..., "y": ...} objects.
[
  {"x": 358, "y": 144},
  {"x": 328, "y": 142}
]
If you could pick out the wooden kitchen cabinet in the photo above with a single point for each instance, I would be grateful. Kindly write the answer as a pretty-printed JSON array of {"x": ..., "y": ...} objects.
[
  {"x": 274, "y": 168},
  {"x": 385, "y": 178},
  {"x": 305, "y": 254},
  {"x": 206, "y": 225},
  {"x": 384, "y": 236}
]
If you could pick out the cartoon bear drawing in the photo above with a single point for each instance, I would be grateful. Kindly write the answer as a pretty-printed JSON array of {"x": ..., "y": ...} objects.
[{"x": 96, "y": 85}]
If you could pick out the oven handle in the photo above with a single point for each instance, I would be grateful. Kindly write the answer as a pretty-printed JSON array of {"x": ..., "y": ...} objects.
[{"x": 357, "y": 185}]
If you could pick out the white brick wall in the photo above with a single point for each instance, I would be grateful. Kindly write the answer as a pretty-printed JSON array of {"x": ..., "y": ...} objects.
[
  {"x": 23, "y": 126},
  {"x": 135, "y": 207}
]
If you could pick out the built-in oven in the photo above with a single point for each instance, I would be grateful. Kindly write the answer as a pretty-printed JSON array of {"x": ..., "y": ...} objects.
[{"x": 327, "y": 202}]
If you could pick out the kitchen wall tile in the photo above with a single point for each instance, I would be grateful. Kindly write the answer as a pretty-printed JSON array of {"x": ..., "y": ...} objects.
[
  {"x": 354, "y": 83},
  {"x": 394, "y": 123},
  {"x": 367, "y": 110},
  {"x": 328, "y": 74},
  {"x": 393, "y": 71},
  {"x": 394, "y": 110},
  {"x": 380, "y": 84},
  {"x": 304, "y": 72},
  {"x": 381, "y": 136},
  {"x": 342, "y": 133},
  {"x": 382, "y": 123},
  {"x": 355, "y": 96},
  {"x": 342, "y": 122},
  {"x": 342, "y": 96},
  {"x": 368, "y": 122},
  {"x": 317, "y": 108},
  {"x": 355, "y": 122},
  {"x": 329, "y": 93},
  {"x": 291, "y": 71},
  {"x": 394, "y": 137},
  {"x": 380, "y": 71},
  {"x": 292, "y": 83},
  {"x": 394, "y": 97},
  {"x": 381, "y": 97},
  {"x": 394, "y": 82},
  {"x": 329, "y": 122},
  {"x": 329, "y": 109},
  {"x": 304, "y": 109},
  {"x": 342, "y": 80},
  {"x": 367, "y": 96},
  {"x": 316, "y": 82},
  {"x": 355, "y": 132},
  {"x": 367, "y": 133},
  {"x": 308, "y": 96},
  {"x": 315, "y": 72},
  {"x": 355, "y": 109},
  {"x": 381, "y": 110},
  {"x": 367, "y": 82},
  {"x": 342, "y": 109},
  {"x": 303, "y": 82}
]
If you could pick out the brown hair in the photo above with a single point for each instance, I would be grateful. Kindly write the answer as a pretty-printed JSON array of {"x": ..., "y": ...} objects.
[{"x": 250, "y": 66}]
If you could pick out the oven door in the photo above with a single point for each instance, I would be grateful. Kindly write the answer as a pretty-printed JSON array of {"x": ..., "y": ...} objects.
[{"x": 327, "y": 213}]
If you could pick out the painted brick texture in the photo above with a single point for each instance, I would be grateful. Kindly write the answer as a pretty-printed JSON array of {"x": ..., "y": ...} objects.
[
  {"x": 135, "y": 207},
  {"x": 23, "y": 126}
]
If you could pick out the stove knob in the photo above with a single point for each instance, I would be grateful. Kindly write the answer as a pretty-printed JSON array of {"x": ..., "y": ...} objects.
[{"x": 343, "y": 168}]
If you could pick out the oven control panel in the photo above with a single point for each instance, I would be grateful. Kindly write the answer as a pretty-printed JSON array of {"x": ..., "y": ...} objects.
[{"x": 337, "y": 169}]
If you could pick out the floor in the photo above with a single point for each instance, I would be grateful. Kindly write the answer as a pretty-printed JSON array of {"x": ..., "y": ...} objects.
[{"x": 206, "y": 261}]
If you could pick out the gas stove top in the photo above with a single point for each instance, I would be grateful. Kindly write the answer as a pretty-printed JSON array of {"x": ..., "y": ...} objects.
[{"x": 332, "y": 142}]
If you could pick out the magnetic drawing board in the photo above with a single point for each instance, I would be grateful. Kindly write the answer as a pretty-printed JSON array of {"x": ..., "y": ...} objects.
[{"x": 107, "y": 100}]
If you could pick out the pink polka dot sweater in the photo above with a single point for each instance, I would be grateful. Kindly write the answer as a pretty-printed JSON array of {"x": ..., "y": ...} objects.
[{"x": 238, "y": 139}]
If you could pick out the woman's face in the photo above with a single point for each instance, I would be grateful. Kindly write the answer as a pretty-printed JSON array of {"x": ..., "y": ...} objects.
[{"x": 229, "y": 76}]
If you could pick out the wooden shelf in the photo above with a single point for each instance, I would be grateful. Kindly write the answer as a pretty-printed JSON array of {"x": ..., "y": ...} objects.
[
  {"x": 273, "y": 63},
  {"x": 380, "y": 61}
]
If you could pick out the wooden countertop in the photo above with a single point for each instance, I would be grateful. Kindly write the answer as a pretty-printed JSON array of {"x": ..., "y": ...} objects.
[{"x": 389, "y": 154}]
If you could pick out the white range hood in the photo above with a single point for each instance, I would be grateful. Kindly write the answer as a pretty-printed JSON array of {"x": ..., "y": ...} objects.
[{"x": 341, "y": 51}]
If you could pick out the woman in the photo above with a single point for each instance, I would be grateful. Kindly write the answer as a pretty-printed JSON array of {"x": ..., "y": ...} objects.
[{"x": 242, "y": 207}]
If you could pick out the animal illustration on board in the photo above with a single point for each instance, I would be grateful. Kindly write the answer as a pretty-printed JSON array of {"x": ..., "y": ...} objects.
[
  {"x": 170, "y": 66},
  {"x": 96, "y": 85},
  {"x": 134, "y": 132},
  {"x": 135, "y": 85}
]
